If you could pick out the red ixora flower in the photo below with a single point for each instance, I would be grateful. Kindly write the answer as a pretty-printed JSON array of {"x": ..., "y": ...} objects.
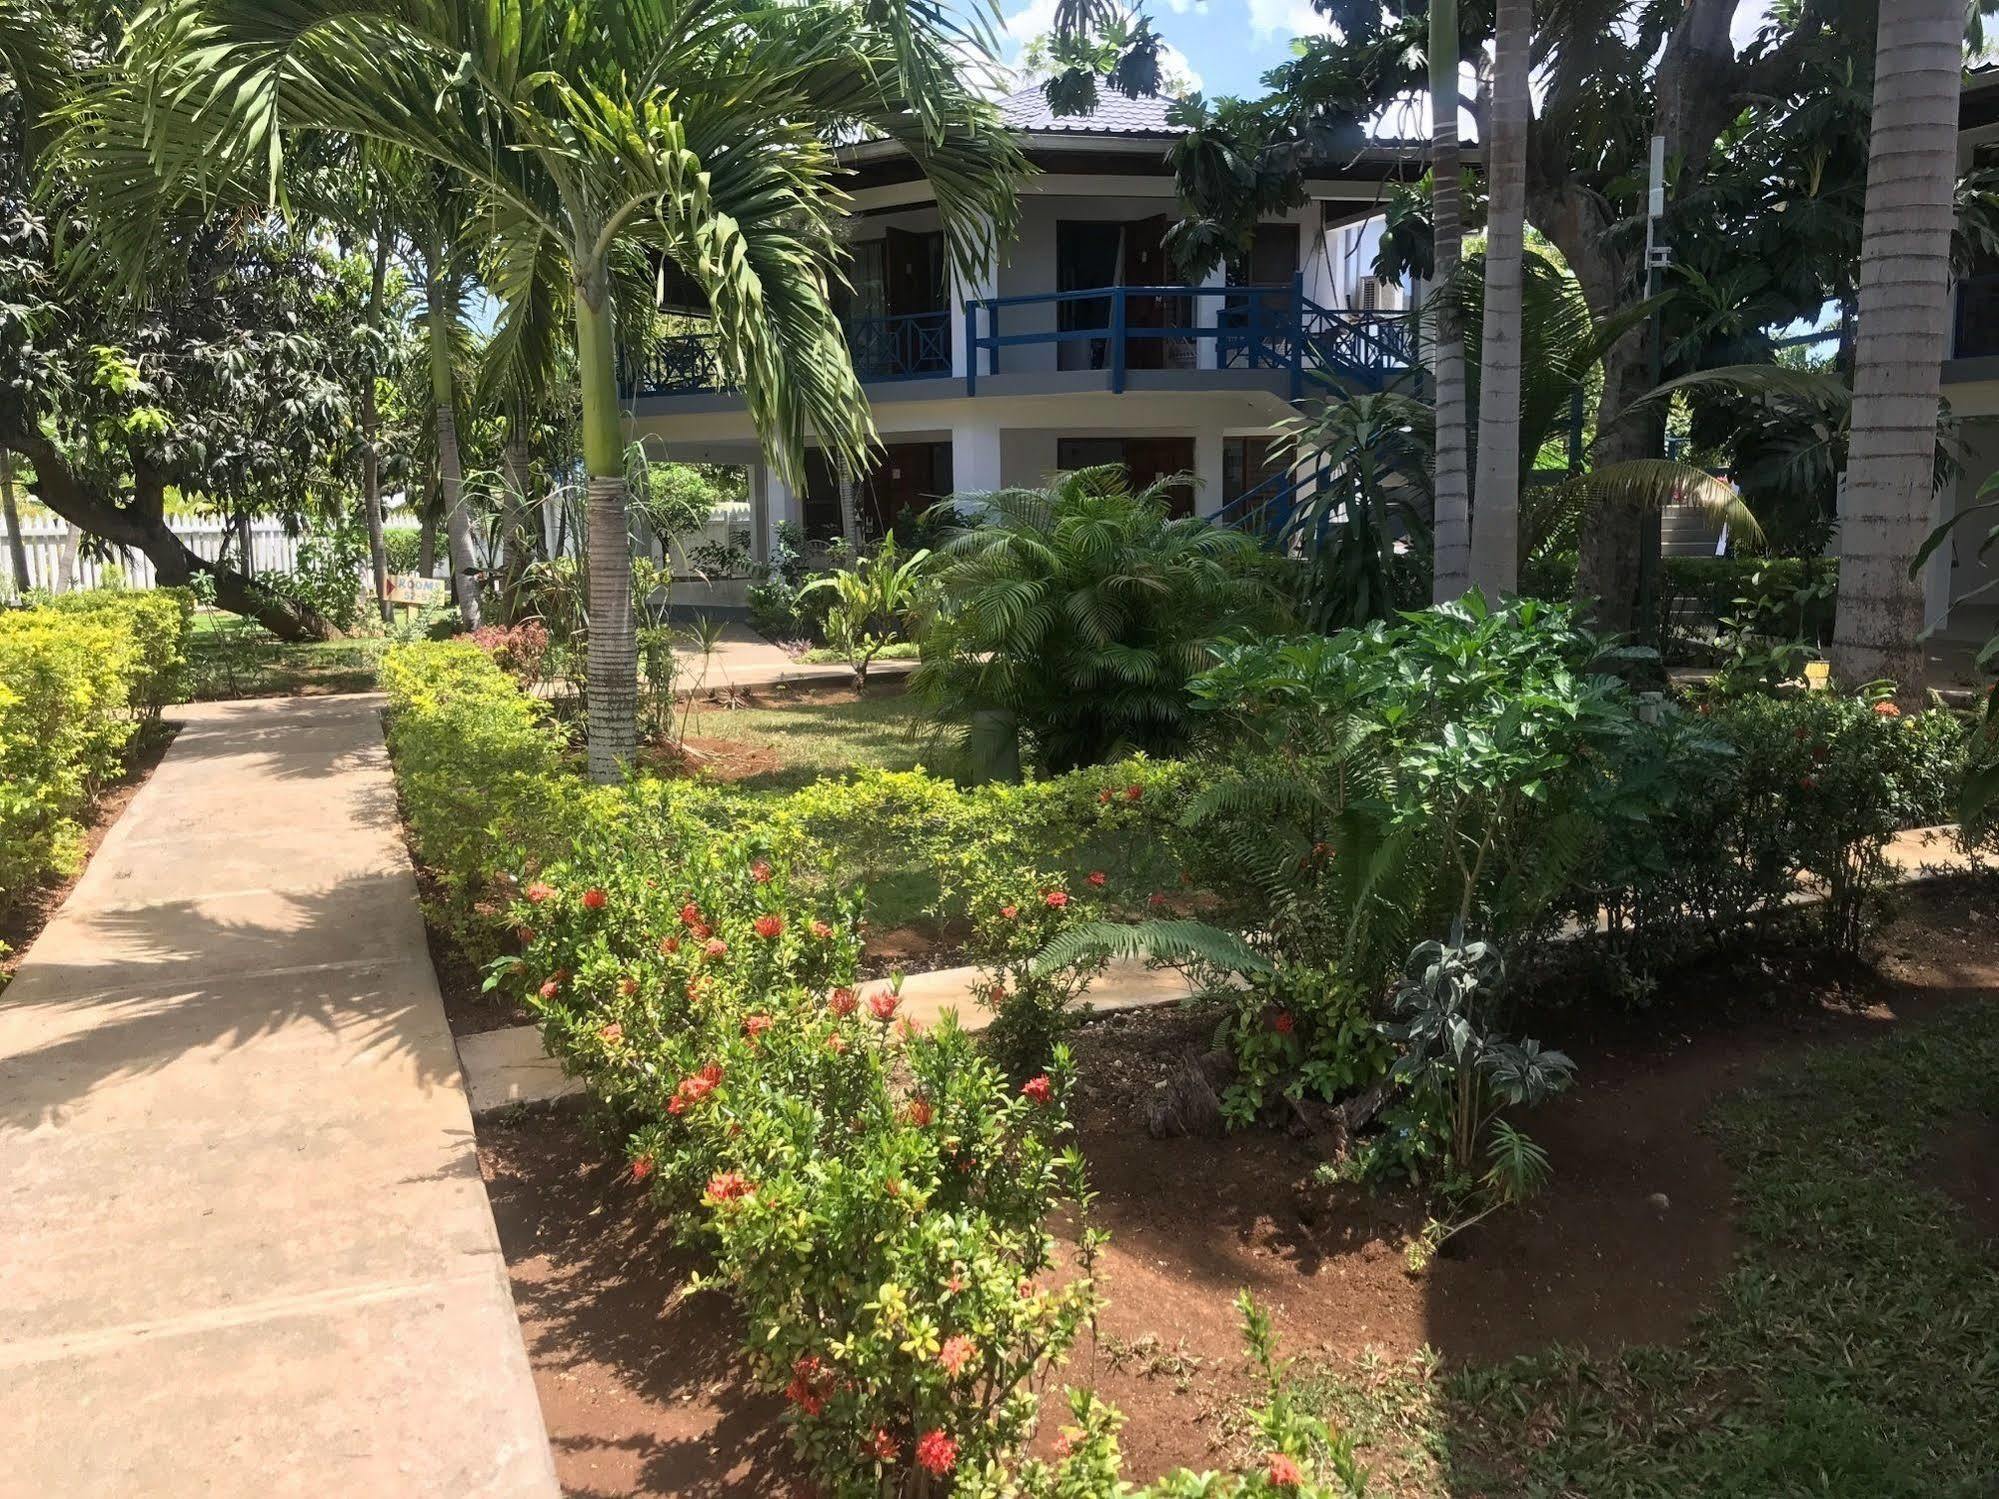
[
  {"x": 525, "y": 934},
  {"x": 882, "y": 1447},
  {"x": 595, "y": 899},
  {"x": 820, "y": 929},
  {"x": 1887, "y": 709},
  {"x": 842, "y": 1001},
  {"x": 936, "y": 1452},
  {"x": 1156, "y": 899},
  {"x": 1104, "y": 796},
  {"x": 1056, "y": 898},
  {"x": 810, "y": 1380},
  {"x": 1282, "y": 1023},
  {"x": 882, "y": 1005},
  {"x": 669, "y": 945},
  {"x": 715, "y": 947},
  {"x": 768, "y": 926},
  {"x": 728, "y": 1186},
  {"x": 755, "y": 1025},
  {"x": 760, "y": 872},
  {"x": 958, "y": 1351},
  {"x": 690, "y": 914},
  {"x": 1097, "y": 878},
  {"x": 1009, "y": 912},
  {"x": 641, "y": 1168},
  {"x": 628, "y": 986},
  {"x": 1808, "y": 783},
  {"x": 1133, "y": 793},
  {"x": 612, "y": 1033},
  {"x": 538, "y": 892},
  {"x": 701, "y": 931},
  {"x": 550, "y": 989},
  {"x": 1038, "y": 1088},
  {"x": 919, "y": 1112},
  {"x": 1284, "y": 1473}
]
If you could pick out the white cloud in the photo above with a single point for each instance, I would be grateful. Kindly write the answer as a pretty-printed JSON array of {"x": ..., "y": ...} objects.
[
  {"x": 1024, "y": 25},
  {"x": 1749, "y": 19},
  {"x": 1173, "y": 64},
  {"x": 1286, "y": 18}
]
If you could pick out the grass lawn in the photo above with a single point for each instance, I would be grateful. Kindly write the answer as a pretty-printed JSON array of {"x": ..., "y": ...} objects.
[
  {"x": 229, "y": 656},
  {"x": 780, "y": 743},
  {"x": 1853, "y": 1352}
]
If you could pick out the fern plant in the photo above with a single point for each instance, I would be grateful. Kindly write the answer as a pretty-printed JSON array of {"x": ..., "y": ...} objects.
[{"x": 1071, "y": 619}]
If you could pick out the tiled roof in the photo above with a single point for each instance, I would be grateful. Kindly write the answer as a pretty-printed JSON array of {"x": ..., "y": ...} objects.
[{"x": 1027, "y": 109}]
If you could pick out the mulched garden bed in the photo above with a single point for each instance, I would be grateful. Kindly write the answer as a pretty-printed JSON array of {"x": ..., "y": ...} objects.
[
  {"x": 22, "y": 918},
  {"x": 643, "y": 1395}
]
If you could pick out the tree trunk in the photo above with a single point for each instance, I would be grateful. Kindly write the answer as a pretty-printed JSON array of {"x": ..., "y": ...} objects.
[
  {"x": 1495, "y": 551},
  {"x": 426, "y": 538},
  {"x": 1904, "y": 287},
  {"x": 517, "y": 548},
  {"x": 450, "y": 476},
  {"x": 17, "y": 546},
  {"x": 371, "y": 452},
  {"x": 1451, "y": 541},
  {"x": 142, "y": 524},
  {"x": 613, "y": 655}
]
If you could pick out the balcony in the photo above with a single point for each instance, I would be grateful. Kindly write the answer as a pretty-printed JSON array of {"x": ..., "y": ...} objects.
[
  {"x": 914, "y": 346},
  {"x": 1125, "y": 328},
  {"x": 1115, "y": 329}
]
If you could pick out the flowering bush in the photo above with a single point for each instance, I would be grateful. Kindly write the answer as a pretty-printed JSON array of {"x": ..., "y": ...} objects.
[
  {"x": 874, "y": 1195},
  {"x": 519, "y": 650}
]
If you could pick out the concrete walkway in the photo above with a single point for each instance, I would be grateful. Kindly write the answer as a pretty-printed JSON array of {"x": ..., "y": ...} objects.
[{"x": 244, "y": 1245}]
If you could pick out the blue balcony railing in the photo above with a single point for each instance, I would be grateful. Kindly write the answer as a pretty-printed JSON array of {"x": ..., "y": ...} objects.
[
  {"x": 1122, "y": 328},
  {"x": 1114, "y": 328},
  {"x": 912, "y": 346}
]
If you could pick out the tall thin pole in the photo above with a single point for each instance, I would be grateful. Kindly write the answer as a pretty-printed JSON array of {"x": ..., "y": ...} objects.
[{"x": 17, "y": 545}]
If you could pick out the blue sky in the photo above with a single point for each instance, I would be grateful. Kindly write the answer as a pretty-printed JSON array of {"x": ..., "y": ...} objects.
[{"x": 1227, "y": 45}]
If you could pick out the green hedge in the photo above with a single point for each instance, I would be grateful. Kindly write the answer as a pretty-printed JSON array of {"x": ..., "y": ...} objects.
[
  {"x": 78, "y": 675},
  {"x": 1709, "y": 585},
  {"x": 874, "y": 1196}
]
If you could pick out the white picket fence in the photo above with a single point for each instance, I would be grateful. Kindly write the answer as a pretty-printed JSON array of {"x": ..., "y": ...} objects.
[{"x": 58, "y": 559}]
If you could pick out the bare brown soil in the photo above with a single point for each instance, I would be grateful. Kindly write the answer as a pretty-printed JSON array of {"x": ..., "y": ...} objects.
[
  {"x": 22, "y": 919},
  {"x": 643, "y": 1395}
]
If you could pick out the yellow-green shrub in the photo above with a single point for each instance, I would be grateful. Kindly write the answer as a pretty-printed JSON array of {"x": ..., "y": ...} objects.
[
  {"x": 157, "y": 620},
  {"x": 65, "y": 694}
]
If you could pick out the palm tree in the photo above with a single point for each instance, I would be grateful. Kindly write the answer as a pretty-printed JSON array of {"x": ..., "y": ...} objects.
[
  {"x": 702, "y": 131},
  {"x": 1495, "y": 544},
  {"x": 1452, "y": 531},
  {"x": 1904, "y": 284}
]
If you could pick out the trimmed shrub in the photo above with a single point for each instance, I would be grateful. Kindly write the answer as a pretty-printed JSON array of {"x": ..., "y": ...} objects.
[
  {"x": 874, "y": 1196},
  {"x": 76, "y": 677}
]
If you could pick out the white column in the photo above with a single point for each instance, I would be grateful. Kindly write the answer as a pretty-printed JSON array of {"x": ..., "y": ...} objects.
[
  {"x": 975, "y": 457},
  {"x": 1208, "y": 445},
  {"x": 760, "y": 520},
  {"x": 781, "y": 503},
  {"x": 1936, "y": 571},
  {"x": 1207, "y": 310},
  {"x": 985, "y": 284}
]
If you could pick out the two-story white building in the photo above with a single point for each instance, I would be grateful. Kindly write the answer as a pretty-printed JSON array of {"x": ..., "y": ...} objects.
[
  {"x": 1956, "y": 610},
  {"x": 1077, "y": 346}
]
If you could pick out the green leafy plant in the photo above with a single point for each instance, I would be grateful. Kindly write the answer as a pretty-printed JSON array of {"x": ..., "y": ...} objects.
[
  {"x": 873, "y": 602},
  {"x": 1071, "y": 619}
]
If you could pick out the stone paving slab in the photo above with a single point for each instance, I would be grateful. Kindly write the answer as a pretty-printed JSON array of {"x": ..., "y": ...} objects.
[{"x": 247, "y": 1250}]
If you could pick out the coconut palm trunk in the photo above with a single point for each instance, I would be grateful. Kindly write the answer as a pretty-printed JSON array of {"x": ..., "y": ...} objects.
[
  {"x": 1904, "y": 286},
  {"x": 371, "y": 435},
  {"x": 1451, "y": 534},
  {"x": 450, "y": 474},
  {"x": 1495, "y": 528},
  {"x": 517, "y": 549},
  {"x": 612, "y": 659}
]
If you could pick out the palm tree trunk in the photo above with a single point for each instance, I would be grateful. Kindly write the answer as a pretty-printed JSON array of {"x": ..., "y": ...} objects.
[
  {"x": 426, "y": 538},
  {"x": 1452, "y": 529},
  {"x": 1495, "y": 551},
  {"x": 1904, "y": 287},
  {"x": 371, "y": 453},
  {"x": 516, "y": 547},
  {"x": 450, "y": 476},
  {"x": 17, "y": 546},
  {"x": 612, "y": 660}
]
